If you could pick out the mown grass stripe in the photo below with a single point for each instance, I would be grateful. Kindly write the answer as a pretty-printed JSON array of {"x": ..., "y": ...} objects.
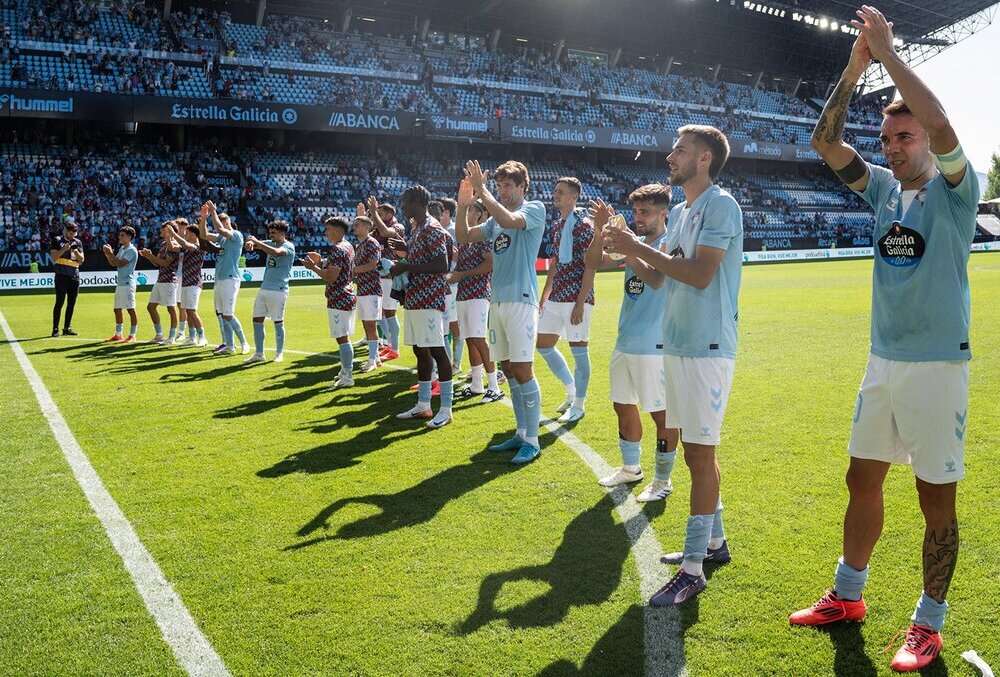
[{"x": 191, "y": 648}]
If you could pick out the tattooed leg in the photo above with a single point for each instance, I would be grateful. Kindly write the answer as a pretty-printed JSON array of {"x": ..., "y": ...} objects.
[{"x": 937, "y": 502}]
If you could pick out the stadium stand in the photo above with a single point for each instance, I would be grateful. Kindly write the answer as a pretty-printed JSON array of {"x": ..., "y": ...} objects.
[{"x": 198, "y": 53}]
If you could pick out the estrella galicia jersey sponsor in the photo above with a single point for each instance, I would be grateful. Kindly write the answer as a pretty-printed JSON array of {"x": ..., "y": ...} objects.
[
  {"x": 640, "y": 321},
  {"x": 920, "y": 283},
  {"x": 514, "y": 254}
]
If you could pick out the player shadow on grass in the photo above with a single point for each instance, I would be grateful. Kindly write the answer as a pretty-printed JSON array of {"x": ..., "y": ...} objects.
[
  {"x": 617, "y": 652},
  {"x": 95, "y": 349},
  {"x": 585, "y": 569},
  {"x": 407, "y": 508},
  {"x": 849, "y": 656},
  {"x": 344, "y": 453},
  {"x": 305, "y": 386}
]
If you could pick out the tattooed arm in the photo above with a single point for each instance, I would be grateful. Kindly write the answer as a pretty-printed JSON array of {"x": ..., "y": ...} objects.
[{"x": 828, "y": 137}]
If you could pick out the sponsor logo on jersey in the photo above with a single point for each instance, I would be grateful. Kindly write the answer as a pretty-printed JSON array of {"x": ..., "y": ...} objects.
[
  {"x": 501, "y": 244},
  {"x": 901, "y": 246},
  {"x": 634, "y": 287}
]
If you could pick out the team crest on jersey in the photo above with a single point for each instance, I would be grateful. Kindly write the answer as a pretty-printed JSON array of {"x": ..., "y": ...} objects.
[
  {"x": 678, "y": 252},
  {"x": 901, "y": 246},
  {"x": 634, "y": 287},
  {"x": 501, "y": 244}
]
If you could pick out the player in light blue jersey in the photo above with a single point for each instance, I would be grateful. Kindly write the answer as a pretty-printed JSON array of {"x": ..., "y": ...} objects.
[
  {"x": 515, "y": 228},
  {"x": 273, "y": 293},
  {"x": 913, "y": 401},
  {"x": 227, "y": 276},
  {"x": 638, "y": 377},
  {"x": 124, "y": 260},
  {"x": 702, "y": 260}
]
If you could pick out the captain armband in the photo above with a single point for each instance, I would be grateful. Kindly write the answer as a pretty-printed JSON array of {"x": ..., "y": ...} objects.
[
  {"x": 853, "y": 172},
  {"x": 950, "y": 163}
]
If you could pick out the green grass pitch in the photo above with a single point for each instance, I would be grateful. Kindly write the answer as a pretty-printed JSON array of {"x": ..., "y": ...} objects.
[{"x": 310, "y": 532}]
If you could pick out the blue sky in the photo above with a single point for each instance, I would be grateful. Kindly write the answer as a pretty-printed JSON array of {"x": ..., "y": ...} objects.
[{"x": 966, "y": 80}]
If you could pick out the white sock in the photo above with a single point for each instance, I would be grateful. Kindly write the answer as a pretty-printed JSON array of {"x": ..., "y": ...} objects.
[
  {"x": 491, "y": 378},
  {"x": 521, "y": 432},
  {"x": 570, "y": 390},
  {"x": 531, "y": 440},
  {"x": 692, "y": 567},
  {"x": 579, "y": 402},
  {"x": 632, "y": 468},
  {"x": 716, "y": 543}
]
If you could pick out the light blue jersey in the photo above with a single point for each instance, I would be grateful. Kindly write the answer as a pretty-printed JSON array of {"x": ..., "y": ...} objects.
[
  {"x": 640, "y": 322},
  {"x": 514, "y": 254},
  {"x": 702, "y": 322},
  {"x": 278, "y": 269},
  {"x": 227, "y": 263},
  {"x": 127, "y": 271},
  {"x": 920, "y": 286}
]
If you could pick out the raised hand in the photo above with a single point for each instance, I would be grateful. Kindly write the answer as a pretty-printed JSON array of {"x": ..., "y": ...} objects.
[
  {"x": 361, "y": 210},
  {"x": 465, "y": 194},
  {"x": 372, "y": 205},
  {"x": 877, "y": 32},
  {"x": 861, "y": 56},
  {"x": 476, "y": 176}
]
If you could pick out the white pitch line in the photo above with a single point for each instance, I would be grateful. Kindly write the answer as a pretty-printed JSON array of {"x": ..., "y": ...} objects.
[
  {"x": 192, "y": 650},
  {"x": 662, "y": 634}
]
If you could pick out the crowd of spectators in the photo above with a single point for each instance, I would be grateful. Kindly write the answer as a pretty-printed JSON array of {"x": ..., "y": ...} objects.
[
  {"x": 105, "y": 183},
  {"x": 203, "y": 33},
  {"x": 102, "y": 184},
  {"x": 81, "y": 23}
]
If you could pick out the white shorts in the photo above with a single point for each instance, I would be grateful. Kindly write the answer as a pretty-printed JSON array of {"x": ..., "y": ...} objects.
[
  {"x": 513, "y": 327},
  {"x": 697, "y": 390},
  {"x": 226, "y": 292},
  {"x": 164, "y": 294},
  {"x": 190, "y": 297},
  {"x": 341, "y": 322},
  {"x": 473, "y": 316},
  {"x": 451, "y": 305},
  {"x": 554, "y": 319},
  {"x": 369, "y": 308},
  {"x": 125, "y": 296},
  {"x": 270, "y": 303},
  {"x": 423, "y": 328},
  {"x": 913, "y": 413},
  {"x": 638, "y": 379},
  {"x": 388, "y": 303}
]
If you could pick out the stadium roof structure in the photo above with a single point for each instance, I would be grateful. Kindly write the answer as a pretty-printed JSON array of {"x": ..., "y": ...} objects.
[{"x": 796, "y": 40}]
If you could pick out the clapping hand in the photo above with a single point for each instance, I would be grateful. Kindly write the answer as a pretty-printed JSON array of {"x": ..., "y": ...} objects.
[
  {"x": 877, "y": 32},
  {"x": 600, "y": 213}
]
